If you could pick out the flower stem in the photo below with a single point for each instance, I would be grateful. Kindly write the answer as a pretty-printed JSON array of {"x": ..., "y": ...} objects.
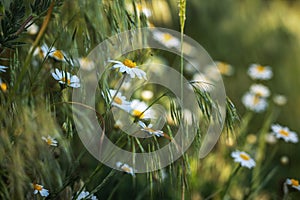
[{"x": 224, "y": 192}]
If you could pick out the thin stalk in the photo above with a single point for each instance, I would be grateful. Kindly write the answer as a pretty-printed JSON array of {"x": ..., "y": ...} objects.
[{"x": 224, "y": 192}]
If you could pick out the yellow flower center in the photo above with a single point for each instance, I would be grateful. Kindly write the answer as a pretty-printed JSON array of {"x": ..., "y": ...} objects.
[
  {"x": 256, "y": 99},
  {"x": 37, "y": 187},
  {"x": 167, "y": 37},
  {"x": 68, "y": 81},
  {"x": 3, "y": 87},
  {"x": 129, "y": 63},
  {"x": 295, "y": 182},
  {"x": 284, "y": 133},
  {"x": 49, "y": 141},
  {"x": 244, "y": 156},
  {"x": 223, "y": 67},
  {"x": 138, "y": 114},
  {"x": 260, "y": 68},
  {"x": 58, "y": 55},
  {"x": 118, "y": 100}
]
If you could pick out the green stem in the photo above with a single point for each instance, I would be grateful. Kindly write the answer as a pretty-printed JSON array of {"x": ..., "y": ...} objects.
[{"x": 224, "y": 192}]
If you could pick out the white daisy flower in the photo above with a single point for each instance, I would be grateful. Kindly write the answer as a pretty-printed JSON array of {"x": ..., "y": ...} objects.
[
  {"x": 254, "y": 102},
  {"x": 243, "y": 158},
  {"x": 40, "y": 189},
  {"x": 293, "y": 182},
  {"x": 224, "y": 68},
  {"x": 166, "y": 39},
  {"x": 57, "y": 54},
  {"x": 141, "y": 110},
  {"x": 126, "y": 168},
  {"x": 66, "y": 78},
  {"x": 3, "y": 68},
  {"x": 148, "y": 129},
  {"x": 42, "y": 51},
  {"x": 260, "y": 90},
  {"x": 279, "y": 99},
  {"x": 119, "y": 100},
  {"x": 284, "y": 133},
  {"x": 129, "y": 67},
  {"x": 50, "y": 141},
  {"x": 259, "y": 72},
  {"x": 84, "y": 194}
]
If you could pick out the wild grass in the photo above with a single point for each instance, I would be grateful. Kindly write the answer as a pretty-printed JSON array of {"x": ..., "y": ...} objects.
[{"x": 35, "y": 105}]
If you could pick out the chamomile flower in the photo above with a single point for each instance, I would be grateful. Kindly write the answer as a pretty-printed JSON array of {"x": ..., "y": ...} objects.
[
  {"x": 3, "y": 68},
  {"x": 119, "y": 100},
  {"x": 254, "y": 102},
  {"x": 166, "y": 39},
  {"x": 224, "y": 68},
  {"x": 284, "y": 133},
  {"x": 141, "y": 110},
  {"x": 259, "y": 72},
  {"x": 84, "y": 194},
  {"x": 50, "y": 141},
  {"x": 293, "y": 182},
  {"x": 243, "y": 158},
  {"x": 40, "y": 189},
  {"x": 260, "y": 90},
  {"x": 148, "y": 129},
  {"x": 66, "y": 78},
  {"x": 126, "y": 168},
  {"x": 57, "y": 54},
  {"x": 129, "y": 67},
  {"x": 42, "y": 51}
]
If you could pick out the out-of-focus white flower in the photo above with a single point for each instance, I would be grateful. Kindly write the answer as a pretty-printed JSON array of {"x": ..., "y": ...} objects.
[
  {"x": 148, "y": 129},
  {"x": 126, "y": 168},
  {"x": 147, "y": 94},
  {"x": 284, "y": 133},
  {"x": 3, "y": 68},
  {"x": 129, "y": 67},
  {"x": 84, "y": 195},
  {"x": 141, "y": 110},
  {"x": 293, "y": 182},
  {"x": 66, "y": 78},
  {"x": 259, "y": 72},
  {"x": 33, "y": 29},
  {"x": 224, "y": 68},
  {"x": 119, "y": 100},
  {"x": 270, "y": 138},
  {"x": 40, "y": 189},
  {"x": 50, "y": 140},
  {"x": 260, "y": 90},
  {"x": 243, "y": 158},
  {"x": 166, "y": 39},
  {"x": 86, "y": 64},
  {"x": 254, "y": 102},
  {"x": 279, "y": 99},
  {"x": 284, "y": 160}
]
